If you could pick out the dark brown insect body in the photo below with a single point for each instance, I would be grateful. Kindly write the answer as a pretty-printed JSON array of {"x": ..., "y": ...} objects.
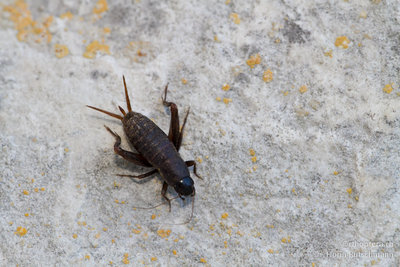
[{"x": 155, "y": 149}]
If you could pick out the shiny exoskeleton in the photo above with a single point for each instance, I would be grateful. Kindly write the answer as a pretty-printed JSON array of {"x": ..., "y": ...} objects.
[{"x": 155, "y": 149}]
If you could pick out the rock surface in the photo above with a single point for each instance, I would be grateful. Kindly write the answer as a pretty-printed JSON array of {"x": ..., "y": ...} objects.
[{"x": 294, "y": 125}]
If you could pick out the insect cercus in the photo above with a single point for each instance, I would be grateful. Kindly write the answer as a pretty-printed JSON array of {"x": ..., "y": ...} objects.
[{"x": 155, "y": 149}]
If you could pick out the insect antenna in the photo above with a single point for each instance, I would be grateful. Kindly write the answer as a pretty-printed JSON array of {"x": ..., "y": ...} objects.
[
  {"x": 122, "y": 110},
  {"x": 106, "y": 112},
  {"x": 191, "y": 215},
  {"x": 128, "y": 102},
  {"x": 153, "y": 207}
]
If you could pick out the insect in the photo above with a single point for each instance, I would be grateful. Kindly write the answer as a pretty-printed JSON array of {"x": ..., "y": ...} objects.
[{"x": 155, "y": 149}]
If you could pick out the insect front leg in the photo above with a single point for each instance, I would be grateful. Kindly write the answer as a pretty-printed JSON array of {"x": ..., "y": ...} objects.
[
  {"x": 129, "y": 156},
  {"x": 193, "y": 163}
]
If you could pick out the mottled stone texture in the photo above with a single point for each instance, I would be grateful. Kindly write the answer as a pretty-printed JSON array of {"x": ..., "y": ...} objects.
[{"x": 301, "y": 168}]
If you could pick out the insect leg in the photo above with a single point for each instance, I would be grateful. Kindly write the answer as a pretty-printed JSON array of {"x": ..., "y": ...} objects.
[
  {"x": 129, "y": 156},
  {"x": 164, "y": 194},
  {"x": 141, "y": 176},
  {"x": 193, "y": 163},
  {"x": 181, "y": 132},
  {"x": 173, "y": 134}
]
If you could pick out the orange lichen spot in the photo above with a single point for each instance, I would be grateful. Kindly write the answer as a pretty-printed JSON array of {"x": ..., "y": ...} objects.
[
  {"x": 286, "y": 240},
  {"x": 199, "y": 160},
  {"x": 349, "y": 206},
  {"x": 216, "y": 38},
  {"x": 26, "y": 214},
  {"x": 225, "y": 87},
  {"x": 153, "y": 258},
  {"x": 106, "y": 30},
  {"x": 253, "y": 60},
  {"x": 87, "y": 257},
  {"x": 218, "y": 98},
  {"x": 164, "y": 233},
  {"x": 74, "y": 236},
  {"x": 270, "y": 226},
  {"x": 101, "y": 6},
  {"x": 66, "y": 15},
  {"x": 303, "y": 89},
  {"x": 42, "y": 189},
  {"x": 235, "y": 18},
  {"x": 356, "y": 198},
  {"x": 202, "y": 260},
  {"x": 335, "y": 173},
  {"x": 271, "y": 251},
  {"x": 36, "y": 190},
  {"x": 240, "y": 233},
  {"x": 254, "y": 159},
  {"x": 97, "y": 236},
  {"x": 105, "y": 229},
  {"x": 25, "y": 192},
  {"x": 116, "y": 201},
  {"x": 328, "y": 53},
  {"x": 153, "y": 216},
  {"x": 388, "y": 88},
  {"x": 227, "y": 100},
  {"x": 252, "y": 152},
  {"x": 268, "y": 76},
  {"x": 21, "y": 231},
  {"x": 342, "y": 42},
  {"x": 349, "y": 190},
  {"x": 227, "y": 2},
  {"x": 224, "y": 215},
  {"x": 312, "y": 264},
  {"x": 61, "y": 51},
  {"x": 125, "y": 259},
  {"x": 254, "y": 167},
  {"x": 174, "y": 252},
  {"x": 95, "y": 47},
  {"x": 184, "y": 81},
  {"x": 113, "y": 241},
  {"x": 136, "y": 231}
]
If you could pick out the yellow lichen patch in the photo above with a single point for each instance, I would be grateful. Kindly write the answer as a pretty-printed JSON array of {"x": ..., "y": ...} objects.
[
  {"x": 240, "y": 233},
  {"x": 363, "y": 14},
  {"x": 224, "y": 215},
  {"x": 36, "y": 190},
  {"x": 67, "y": 15},
  {"x": 235, "y": 18},
  {"x": 184, "y": 81},
  {"x": 21, "y": 16},
  {"x": 254, "y": 159},
  {"x": 199, "y": 160},
  {"x": 174, "y": 252},
  {"x": 42, "y": 189},
  {"x": 388, "y": 88},
  {"x": 25, "y": 192},
  {"x": 218, "y": 98},
  {"x": 253, "y": 60},
  {"x": 153, "y": 216},
  {"x": 268, "y": 76},
  {"x": 136, "y": 231},
  {"x": 26, "y": 214},
  {"x": 227, "y": 100},
  {"x": 61, "y": 51},
  {"x": 106, "y": 30},
  {"x": 225, "y": 87},
  {"x": 74, "y": 236},
  {"x": 21, "y": 231},
  {"x": 254, "y": 167},
  {"x": 303, "y": 89},
  {"x": 216, "y": 39},
  {"x": 227, "y": 2},
  {"x": 94, "y": 47},
  {"x": 202, "y": 260},
  {"x": 286, "y": 240},
  {"x": 342, "y": 42},
  {"x": 125, "y": 259},
  {"x": 252, "y": 152},
  {"x": 271, "y": 251},
  {"x": 349, "y": 190},
  {"x": 328, "y": 53},
  {"x": 87, "y": 257},
  {"x": 335, "y": 173},
  {"x": 164, "y": 233},
  {"x": 101, "y": 6},
  {"x": 153, "y": 258},
  {"x": 270, "y": 226}
]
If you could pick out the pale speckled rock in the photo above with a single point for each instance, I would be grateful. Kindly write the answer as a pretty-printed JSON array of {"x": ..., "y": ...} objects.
[{"x": 294, "y": 209}]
